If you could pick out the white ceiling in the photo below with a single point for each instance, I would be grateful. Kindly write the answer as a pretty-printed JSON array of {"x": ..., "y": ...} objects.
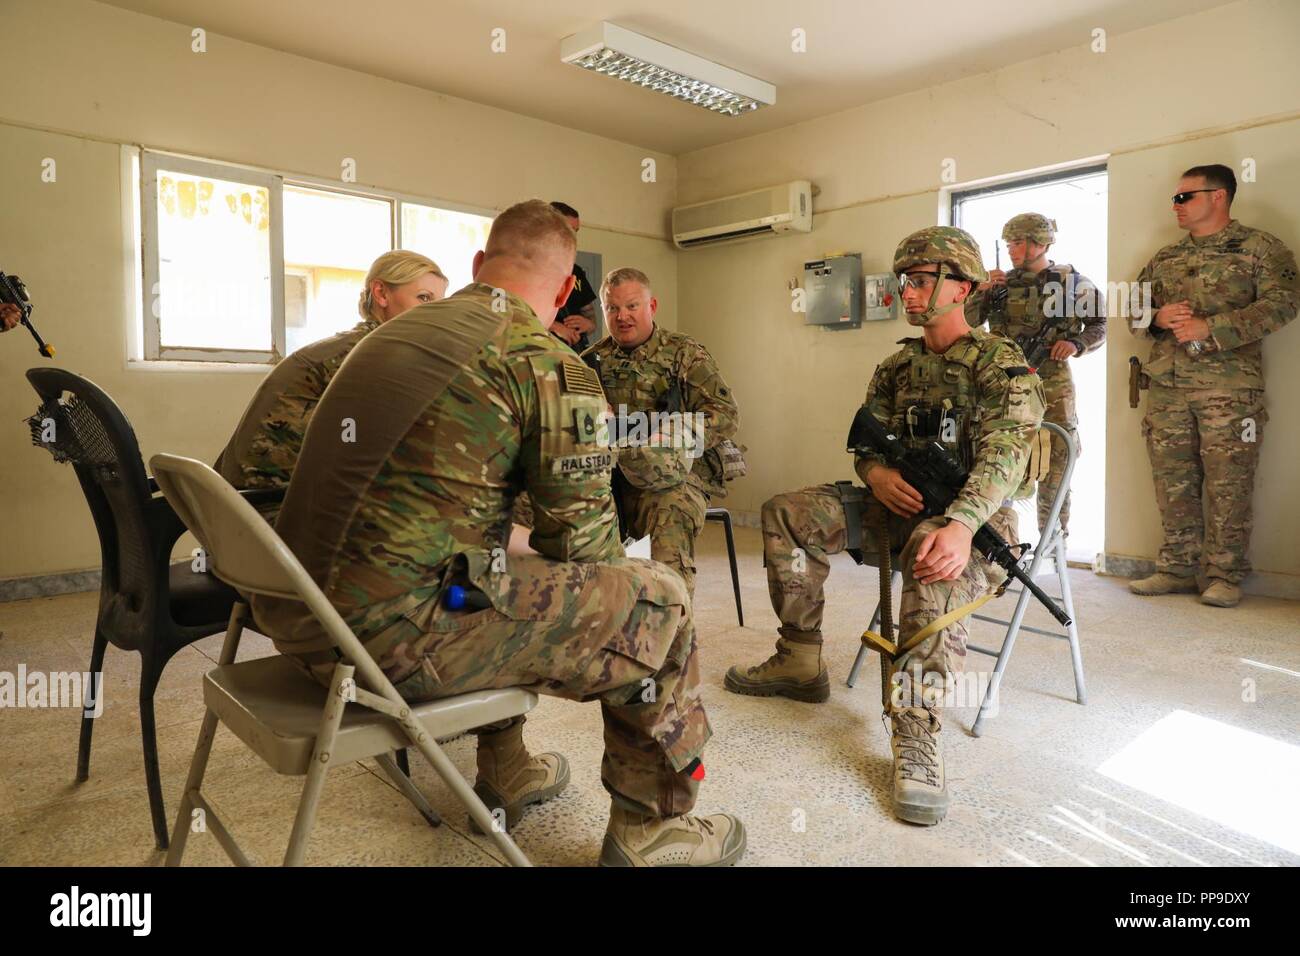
[{"x": 858, "y": 51}]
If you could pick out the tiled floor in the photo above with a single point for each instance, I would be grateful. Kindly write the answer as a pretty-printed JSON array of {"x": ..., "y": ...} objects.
[{"x": 1207, "y": 700}]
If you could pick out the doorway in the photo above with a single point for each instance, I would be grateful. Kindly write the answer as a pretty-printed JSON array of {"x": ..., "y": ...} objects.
[{"x": 1077, "y": 200}]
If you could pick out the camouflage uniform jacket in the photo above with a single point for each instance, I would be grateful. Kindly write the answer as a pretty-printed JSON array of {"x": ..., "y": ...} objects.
[
  {"x": 510, "y": 408},
  {"x": 1243, "y": 281},
  {"x": 978, "y": 399},
  {"x": 1033, "y": 298},
  {"x": 265, "y": 446},
  {"x": 639, "y": 380}
]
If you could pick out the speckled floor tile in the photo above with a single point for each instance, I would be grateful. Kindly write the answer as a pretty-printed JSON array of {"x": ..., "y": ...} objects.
[{"x": 811, "y": 782}]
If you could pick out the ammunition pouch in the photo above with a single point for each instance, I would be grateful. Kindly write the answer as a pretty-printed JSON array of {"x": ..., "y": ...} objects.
[{"x": 726, "y": 461}]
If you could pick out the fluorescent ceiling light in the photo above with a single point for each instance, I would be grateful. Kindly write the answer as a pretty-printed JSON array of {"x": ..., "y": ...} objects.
[{"x": 614, "y": 51}]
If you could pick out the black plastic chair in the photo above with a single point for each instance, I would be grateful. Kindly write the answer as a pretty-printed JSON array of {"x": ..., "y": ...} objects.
[
  {"x": 723, "y": 515},
  {"x": 146, "y": 603}
]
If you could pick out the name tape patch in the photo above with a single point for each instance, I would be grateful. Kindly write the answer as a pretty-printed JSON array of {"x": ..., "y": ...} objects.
[{"x": 575, "y": 464}]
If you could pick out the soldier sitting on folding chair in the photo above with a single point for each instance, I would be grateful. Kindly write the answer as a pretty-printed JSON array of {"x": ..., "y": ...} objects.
[
  {"x": 400, "y": 509},
  {"x": 971, "y": 392}
]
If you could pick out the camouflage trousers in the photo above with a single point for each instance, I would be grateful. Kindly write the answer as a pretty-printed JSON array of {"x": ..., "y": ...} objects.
[
  {"x": 673, "y": 519},
  {"x": 1204, "y": 448},
  {"x": 617, "y": 632},
  {"x": 802, "y": 529},
  {"x": 1061, "y": 410}
]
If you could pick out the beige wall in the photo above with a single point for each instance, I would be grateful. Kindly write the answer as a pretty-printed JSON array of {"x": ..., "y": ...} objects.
[
  {"x": 878, "y": 169},
  {"x": 81, "y": 78}
]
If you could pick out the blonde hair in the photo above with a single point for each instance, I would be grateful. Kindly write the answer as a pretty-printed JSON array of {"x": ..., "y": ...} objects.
[
  {"x": 625, "y": 274},
  {"x": 530, "y": 230},
  {"x": 393, "y": 269}
]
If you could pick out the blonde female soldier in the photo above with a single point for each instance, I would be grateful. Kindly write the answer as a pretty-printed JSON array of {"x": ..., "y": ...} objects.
[{"x": 265, "y": 446}]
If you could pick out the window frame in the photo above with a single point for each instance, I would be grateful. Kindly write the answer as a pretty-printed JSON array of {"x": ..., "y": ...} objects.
[
  {"x": 145, "y": 232},
  {"x": 957, "y": 196},
  {"x": 151, "y": 163}
]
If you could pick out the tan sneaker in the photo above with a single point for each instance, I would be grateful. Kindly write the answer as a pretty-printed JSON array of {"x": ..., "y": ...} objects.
[
  {"x": 920, "y": 790},
  {"x": 635, "y": 840},
  {"x": 1221, "y": 594},
  {"x": 510, "y": 780},
  {"x": 1163, "y": 583},
  {"x": 794, "y": 671}
]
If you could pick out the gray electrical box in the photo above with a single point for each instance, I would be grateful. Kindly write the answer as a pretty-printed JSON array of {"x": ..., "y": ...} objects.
[
  {"x": 833, "y": 291},
  {"x": 880, "y": 296}
]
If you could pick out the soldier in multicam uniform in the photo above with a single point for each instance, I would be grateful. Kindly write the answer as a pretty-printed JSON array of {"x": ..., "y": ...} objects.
[
  {"x": 664, "y": 483},
  {"x": 972, "y": 392},
  {"x": 458, "y": 406},
  {"x": 265, "y": 446},
  {"x": 264, "y": 451},
  {"x": 1039, "y": 291},
  {"x": 1217, "y": 293}
]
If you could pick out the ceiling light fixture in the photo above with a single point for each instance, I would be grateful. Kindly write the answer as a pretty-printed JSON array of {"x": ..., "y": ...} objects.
[{"x": 614, "y": 51}]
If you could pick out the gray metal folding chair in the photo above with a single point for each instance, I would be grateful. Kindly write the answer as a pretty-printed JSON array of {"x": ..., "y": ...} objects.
[
  {"x": 1052, "y": 543},
  {"x": 295, "y": 725}
]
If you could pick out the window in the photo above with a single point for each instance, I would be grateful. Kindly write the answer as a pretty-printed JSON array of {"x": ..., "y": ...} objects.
[
  {"x": 1077, "y": 200},
  {"x": 242, "y": 265},
  {"x": 445, "y": 236},
  {"x": 330, "y": 239}
]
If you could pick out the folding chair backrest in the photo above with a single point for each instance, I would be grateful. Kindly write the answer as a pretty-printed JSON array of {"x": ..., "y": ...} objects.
[{"x": 245, "y": 552}]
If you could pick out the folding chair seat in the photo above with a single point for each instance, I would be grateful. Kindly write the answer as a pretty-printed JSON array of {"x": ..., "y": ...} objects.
[{"x": 296, "y": 726}]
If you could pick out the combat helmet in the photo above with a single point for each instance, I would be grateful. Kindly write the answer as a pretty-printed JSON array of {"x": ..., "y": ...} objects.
[
  {"x": 947, "y": 244},
  {"x": 952, "y": 248},
  {"x": 1032, "y": 226}
]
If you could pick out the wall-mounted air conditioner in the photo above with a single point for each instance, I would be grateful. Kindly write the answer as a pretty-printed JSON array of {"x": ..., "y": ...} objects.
[{"x": 763, "y": 212}]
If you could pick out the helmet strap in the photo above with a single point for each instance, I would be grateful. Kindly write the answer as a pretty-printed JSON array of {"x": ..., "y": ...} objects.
[{"x": 931, "y": 311}]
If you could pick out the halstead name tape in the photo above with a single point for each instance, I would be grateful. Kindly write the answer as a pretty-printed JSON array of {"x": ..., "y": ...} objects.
[{"x": 568, "y": 464}]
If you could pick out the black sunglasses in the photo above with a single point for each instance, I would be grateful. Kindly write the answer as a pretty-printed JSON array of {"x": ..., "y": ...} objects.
[{"x": 1180, "y": 198}]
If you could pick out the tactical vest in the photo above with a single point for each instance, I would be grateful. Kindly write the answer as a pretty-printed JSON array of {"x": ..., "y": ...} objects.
[
  {"x": 935, "y": 398},
  {"x": 641, "y": 387},
  {"x": 1027, "y": 298},
  {"x": 635, "y": 384}
]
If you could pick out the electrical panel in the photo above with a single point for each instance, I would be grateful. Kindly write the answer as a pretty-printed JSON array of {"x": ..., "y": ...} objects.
[
  {"x": 880, "y": 297},
  {"x": 833, "y": 292}
]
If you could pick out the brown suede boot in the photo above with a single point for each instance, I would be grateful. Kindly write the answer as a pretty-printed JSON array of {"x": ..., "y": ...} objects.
[
  {"x": 794, "y": 671},
  {"x": 920, "y": 788},
  {"x": 510, "y": 780},
  {"x": 1163, "y": 582},
  {"x": 632, "y": 839}
]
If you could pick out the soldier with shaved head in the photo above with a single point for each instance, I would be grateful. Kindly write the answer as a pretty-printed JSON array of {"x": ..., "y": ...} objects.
[{"x": 456, "y": 408}]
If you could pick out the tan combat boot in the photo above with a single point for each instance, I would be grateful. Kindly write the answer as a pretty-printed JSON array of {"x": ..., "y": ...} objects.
[
  {"x": 794, "y": 671},
  {"x": 510, "y": 780},
  {"x": 920, "y": 790},
  {"x": 1163, "y": 583},
  {"x": 1221, "y": 594},
  {"x": 635, "y": 840}
]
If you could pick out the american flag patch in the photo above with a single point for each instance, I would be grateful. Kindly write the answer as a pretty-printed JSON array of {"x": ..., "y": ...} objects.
[{"x": 576, "y": 378}]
